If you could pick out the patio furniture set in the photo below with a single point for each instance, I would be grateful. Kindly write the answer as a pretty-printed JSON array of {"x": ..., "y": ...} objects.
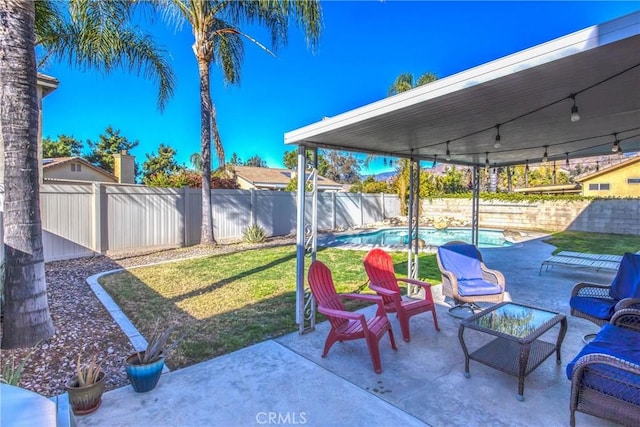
[{"x": 605, "y": 375}]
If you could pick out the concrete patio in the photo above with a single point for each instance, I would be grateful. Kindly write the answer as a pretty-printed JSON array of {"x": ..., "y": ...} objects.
[{"x": 285, "y": 381}]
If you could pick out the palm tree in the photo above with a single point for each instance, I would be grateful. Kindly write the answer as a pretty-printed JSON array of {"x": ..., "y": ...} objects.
[
  {"x": 26, "y": 311},
  {"x": 405, "y": 81},
  {"x": 98, "y": 34},
  {"x": 219, "y": 39},
  {"x": 92, "y": 34}
]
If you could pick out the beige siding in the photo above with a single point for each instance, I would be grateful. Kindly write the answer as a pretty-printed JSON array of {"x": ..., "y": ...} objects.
[
  {"x": 616, "y": 180},
  {"x": 85, "y": 173}
]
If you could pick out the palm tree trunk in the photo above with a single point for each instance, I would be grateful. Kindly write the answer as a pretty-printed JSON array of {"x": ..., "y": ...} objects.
[
  {"x": 26, "y": 313},
  {"x": 217, "y": 142},
  {"x": 206, "y": 234}
]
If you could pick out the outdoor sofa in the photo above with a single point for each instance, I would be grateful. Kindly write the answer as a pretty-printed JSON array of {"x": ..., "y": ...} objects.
[{"x": 605, "y": 375}]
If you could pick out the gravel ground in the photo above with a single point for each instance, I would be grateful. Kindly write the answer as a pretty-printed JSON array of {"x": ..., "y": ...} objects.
[{"x": 84, "y": 326}]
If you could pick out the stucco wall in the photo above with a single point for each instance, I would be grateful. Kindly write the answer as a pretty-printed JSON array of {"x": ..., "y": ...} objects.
[
  {"x": 617, "y": 180},
  {"x": 85, "y": 174},
  {"x": 619, "y": 216}
]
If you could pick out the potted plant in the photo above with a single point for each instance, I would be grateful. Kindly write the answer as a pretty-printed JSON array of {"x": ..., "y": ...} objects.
[
  {"x": 144, "y": 367},
  {"x": 86, "y": 387}
]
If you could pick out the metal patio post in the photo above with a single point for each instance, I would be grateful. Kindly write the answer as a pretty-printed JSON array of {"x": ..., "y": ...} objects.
[{"x": 413, "y": 220}]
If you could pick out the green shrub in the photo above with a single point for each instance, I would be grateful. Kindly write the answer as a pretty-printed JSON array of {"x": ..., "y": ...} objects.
[{"x": 254, "y": 234}]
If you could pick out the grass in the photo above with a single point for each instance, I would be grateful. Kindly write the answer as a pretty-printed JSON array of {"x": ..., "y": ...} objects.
[
  {"x": 227, "y": 302},
  {"x": 594, "y": 243}
]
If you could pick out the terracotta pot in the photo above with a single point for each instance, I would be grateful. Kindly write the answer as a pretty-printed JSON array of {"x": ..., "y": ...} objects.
[
  {"x": 84, "y": 400},
  {"x": 143, "y": 377}
]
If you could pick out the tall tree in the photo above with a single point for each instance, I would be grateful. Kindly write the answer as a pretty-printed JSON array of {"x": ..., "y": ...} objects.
[
  {"x": 162, "y": 163},
  {"x": 196, "y": 161},
  {"x": 64, "y": 146},
  {"x": 343, "y": 167},
  {"x": 290, "y": 160},
  {"x": 216, "y": 26},
  {"x": 108, "y": 144},
  {"x": 256, "y": 161},
  {"x": 26, "y": 311},
  {"x": 405, "y": 82},
  {"x": 235, "y": 160}
]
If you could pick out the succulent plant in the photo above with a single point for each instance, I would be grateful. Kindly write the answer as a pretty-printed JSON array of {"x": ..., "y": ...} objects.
[
  {"x": 158, "y": 344},
  {"x": 89, "y": 373},
  {"x": 254, "y": 234}
]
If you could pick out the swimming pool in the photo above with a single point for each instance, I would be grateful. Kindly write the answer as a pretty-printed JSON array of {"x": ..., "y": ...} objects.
[{"x": 397, "y": 237}]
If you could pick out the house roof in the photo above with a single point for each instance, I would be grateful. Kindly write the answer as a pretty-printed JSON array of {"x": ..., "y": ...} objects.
[
  {"x": 55, "y": 162},
  {"x": 551, "y": 189},
  {"x": 608, "y": 169},
  {"x": 48, "y": 83},
  {"x": 527, "y": 96},
  {"x": 279, "y": 178}
]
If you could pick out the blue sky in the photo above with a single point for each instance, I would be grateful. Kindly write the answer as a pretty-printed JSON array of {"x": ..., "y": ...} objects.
[{"x": 364, "y": 46}]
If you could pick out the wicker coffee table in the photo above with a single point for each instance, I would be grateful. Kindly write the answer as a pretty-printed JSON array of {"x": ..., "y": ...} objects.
[{"x": 517, "y": 348}]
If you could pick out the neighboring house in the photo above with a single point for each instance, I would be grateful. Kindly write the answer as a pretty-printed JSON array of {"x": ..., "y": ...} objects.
[
  {"x": 619, "y": 180},
  {"x": 76, "y": 169},
  {"x": 249, "y": 177}
]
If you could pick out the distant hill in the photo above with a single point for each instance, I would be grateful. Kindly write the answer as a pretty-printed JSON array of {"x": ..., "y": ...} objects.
[{"x": 384, "y": 176}]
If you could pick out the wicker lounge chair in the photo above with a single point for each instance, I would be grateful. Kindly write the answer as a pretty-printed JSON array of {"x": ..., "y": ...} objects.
[
  {"x": 597, "y": 303},
  {"x": 465, "y": 277},
  {"x": 605, "y": 375}
]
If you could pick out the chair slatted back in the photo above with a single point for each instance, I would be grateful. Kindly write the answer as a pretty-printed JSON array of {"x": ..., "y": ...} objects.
[
  {"x": 324, "y": 290},
  {"x": 379, "y": 267}
]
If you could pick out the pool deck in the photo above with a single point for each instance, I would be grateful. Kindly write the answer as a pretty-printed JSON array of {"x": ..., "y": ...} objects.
[{"x": 286, "y": 381}]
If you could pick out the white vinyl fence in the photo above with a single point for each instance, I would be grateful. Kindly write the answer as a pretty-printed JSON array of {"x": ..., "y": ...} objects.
[{"x": 85, "y": 219}]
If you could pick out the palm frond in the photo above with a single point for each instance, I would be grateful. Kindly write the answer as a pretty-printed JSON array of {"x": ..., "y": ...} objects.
[{"x": 98, "y": 35}]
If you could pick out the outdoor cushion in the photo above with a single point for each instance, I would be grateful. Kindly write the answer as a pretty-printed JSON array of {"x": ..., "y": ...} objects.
[
  {"x": 620, "y": 343},
  {"x": 601, "y": 308},
  {"x": 461, "y": 260},
  {"x": 627, "y": 281},
  {"x": 472, "y": 287}
]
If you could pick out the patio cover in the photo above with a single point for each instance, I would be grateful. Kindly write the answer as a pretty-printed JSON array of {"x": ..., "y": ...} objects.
[
  {"x": 527, "y": 97},
  {"x": 528, "y": 94}
]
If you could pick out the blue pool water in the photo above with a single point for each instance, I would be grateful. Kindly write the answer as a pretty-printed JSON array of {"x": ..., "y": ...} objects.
[{"x": 431, "y": 236}]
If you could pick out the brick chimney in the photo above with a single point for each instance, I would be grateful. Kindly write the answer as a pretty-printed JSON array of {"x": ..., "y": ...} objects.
[{"x": 123, "y": 168}]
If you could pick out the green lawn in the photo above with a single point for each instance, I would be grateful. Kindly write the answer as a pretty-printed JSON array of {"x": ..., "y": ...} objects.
[
  {"x": 226, "y": 302},
  {"x": 594, "y": 243}
]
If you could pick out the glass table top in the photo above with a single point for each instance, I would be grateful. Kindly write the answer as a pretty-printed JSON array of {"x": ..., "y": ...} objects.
[{"x": 513, "y": 319}]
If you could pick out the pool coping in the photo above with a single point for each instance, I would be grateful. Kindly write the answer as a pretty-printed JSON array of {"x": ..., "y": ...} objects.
[{"x": 328, "y": 240}]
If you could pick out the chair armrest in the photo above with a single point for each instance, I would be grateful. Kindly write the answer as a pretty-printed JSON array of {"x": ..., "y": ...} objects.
[
  {"x": 340, "y": 314},
  {"x": 627, "y": 318},
  {"x": 383, "y": 291},
  {"x": 628, "y": 303},
  {"x": 601, "y": 359},
  {"x": 420, "y": 283},
  {"x": 590, "y": 290},
  {"x": 372, "y": 298},
  {"x": 493, "y": 276},
  {"x": 451, "y": 278}
]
